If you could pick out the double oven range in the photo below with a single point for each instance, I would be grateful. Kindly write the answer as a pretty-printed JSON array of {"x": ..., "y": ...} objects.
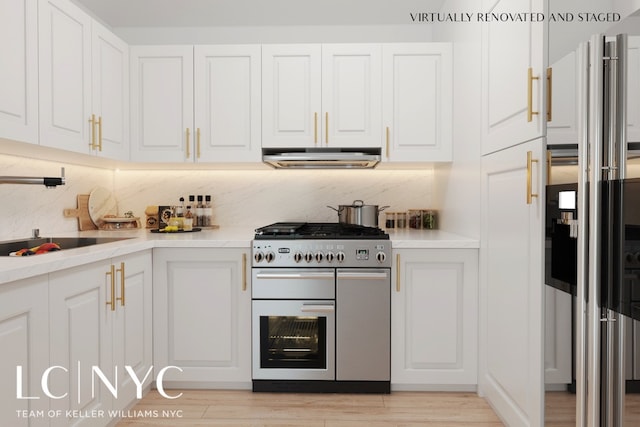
[{"x": 321, "y": 308}]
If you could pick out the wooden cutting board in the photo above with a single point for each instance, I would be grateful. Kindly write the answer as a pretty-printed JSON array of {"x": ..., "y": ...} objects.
[{"x": 82, "y": 213}]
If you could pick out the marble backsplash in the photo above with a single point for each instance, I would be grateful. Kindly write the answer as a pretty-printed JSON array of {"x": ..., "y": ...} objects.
[
  {"x": 240, "y": 197},
  {"x": 259, "y": 197}
]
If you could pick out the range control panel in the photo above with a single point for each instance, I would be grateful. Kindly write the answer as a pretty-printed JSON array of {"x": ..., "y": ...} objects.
[{"x": 321, "y": 253}]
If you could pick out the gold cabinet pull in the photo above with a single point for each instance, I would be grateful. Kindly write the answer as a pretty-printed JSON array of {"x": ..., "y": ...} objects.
[
  {"x": 315, "y": 128},
  {"x": 549, "y": 93},
  {"x": 112, "y": 275},
  {"x": 530, "y": 161},
  {"x": 326, "y": 128},
  {"x": 397, "y": 272},
  {"x": 387, "y": 146},
  {"x": 530, "y": 79},
  {"x": 93, "y": 122},
  {"x": 100, "y": 133},
  {"x": 198, "y": 143},
  {"x": 244, "y": 272},
  {"x": 122, "y": 276},
  {"x": 549, "y": 160},
  {"x": 188, "y": 142}
]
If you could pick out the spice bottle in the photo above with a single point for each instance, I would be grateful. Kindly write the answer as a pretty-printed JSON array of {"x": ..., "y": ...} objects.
[
  {"x": 199, "y": 212},
  {"x": 208, "y": 211},
  {"x": 188, "y": 220}
]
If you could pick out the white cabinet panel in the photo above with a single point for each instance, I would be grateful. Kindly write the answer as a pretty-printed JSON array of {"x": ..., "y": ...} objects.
[
  {"x": 511, "y": 278},
  {"x": 24, "y": 329},
  {"x": 227, "y": 103},
  {"x": 509, "y": 49},
  {"x": 291, "y": 95},
  {"x": 110, "y": 77},
  {"x": 563, "y": 128},
  {"x": 417, "y": 111},
  {"x": 202, "y": 312},
  {"x": 64, "y": 75},
  {"x": 633, "y": 89},
  {"x": 434, "y": 318},
  {"x": 161, "y": 103},
  {"x": 19, "y": 70}
]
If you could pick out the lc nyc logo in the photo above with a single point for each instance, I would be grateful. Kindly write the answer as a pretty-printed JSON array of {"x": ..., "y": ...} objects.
[{"x": 97, "y": 377}]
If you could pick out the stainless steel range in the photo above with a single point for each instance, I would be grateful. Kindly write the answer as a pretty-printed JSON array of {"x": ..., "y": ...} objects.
[{"x": 321, "y": 308}]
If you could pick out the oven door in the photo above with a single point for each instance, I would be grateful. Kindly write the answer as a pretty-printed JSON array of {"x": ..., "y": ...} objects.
[{"x": 293, "y": 339}]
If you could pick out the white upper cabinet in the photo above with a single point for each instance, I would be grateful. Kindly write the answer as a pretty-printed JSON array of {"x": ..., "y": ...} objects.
[
  {"x": 83, "y": 77},
  {"x": 161, "y": 103},
  {"x": 227, "y": 103},
  {"x": 65, "y": 76},
  {"x": 510, "y": 50},
  {"x": 321, "y": 95},
  {"x": 110, "y": 82},
  {"x": 19, "y": 70},
  {"x": 197, "y": 104},
  {"x": 417, "y": 90}
]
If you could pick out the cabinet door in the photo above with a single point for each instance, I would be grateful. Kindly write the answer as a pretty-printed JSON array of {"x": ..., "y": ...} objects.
[
  {"x": 558, "y": 337},
  {"x": 110, "y": 94},
  {"x": 19, "y": 70},
  {"x": 434, "y": 318},
  {"x": 291, "y": 91},
  {"x": 81, "y": 339},
  {"x": 24, "y": 331},
  {"x": 351, "y": 95},
  {"x": 64, "y": 75},
  {"x": 132, "y": 324},
  {"x": 417, "y": 91},
  {"x": 633, "y": 89},
  {"x": 510, "y": 49},
  {"x": 511, "y": 285},
  {"x": 202, "y": 315},
  {"x": 227, "y": 103},
  {"x": 162, "y": 103}
]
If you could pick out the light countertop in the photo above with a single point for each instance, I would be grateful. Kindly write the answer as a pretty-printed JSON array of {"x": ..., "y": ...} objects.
[{"x": 17, "y": 268}]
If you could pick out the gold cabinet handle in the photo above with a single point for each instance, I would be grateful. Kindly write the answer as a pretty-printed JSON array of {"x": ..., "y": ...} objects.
[
  {"x": 100, "y": 133},
  {"x": 315, "y": 128},
  {"x": 244, "y": 272},
  {"x": 122, "y": 276},
  {"x": 530, "y": 79},
  {"x": 387, "y": 146},
  {"x": 198, "y": 143},
  {"x": 93, "y": 122},
  {"x": 188, "y": 142},
  {"x": 530, "y": 161},
  {"x": 326, "y": 128},
  {"x": 112, "y": 274},
  {"x": 549, "y": 160},
  {"x": 397, "y": 272},
  {"x": 549, "y": 93}
]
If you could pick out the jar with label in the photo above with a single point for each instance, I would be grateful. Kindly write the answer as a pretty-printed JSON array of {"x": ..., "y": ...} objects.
[
  {"x": 401, "y": 220},
  {"x": 429, "y": 219},
  {"x": 415, "y": 218},
  {"x": 389, "y": 220},
  {"x": 187, "y": 222}
]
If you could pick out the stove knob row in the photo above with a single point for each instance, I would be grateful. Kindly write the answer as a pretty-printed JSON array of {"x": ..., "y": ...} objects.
[{"x": 259, "y": 256}]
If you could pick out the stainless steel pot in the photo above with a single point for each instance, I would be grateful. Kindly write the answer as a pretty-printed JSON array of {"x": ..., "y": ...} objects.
[{"x": 358, "y": 213}]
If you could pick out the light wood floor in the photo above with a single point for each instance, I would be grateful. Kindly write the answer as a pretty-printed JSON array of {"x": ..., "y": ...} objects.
[{"x": 247, "y": 409}]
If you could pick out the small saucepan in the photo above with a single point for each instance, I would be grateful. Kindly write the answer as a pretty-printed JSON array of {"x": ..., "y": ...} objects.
[{"x": 358, "y": 213}]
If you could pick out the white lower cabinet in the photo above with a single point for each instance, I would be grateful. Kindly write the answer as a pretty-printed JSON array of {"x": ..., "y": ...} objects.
[
  {"x": 102, "y": 316},
  {"x": 202, "y": 317},
  {"x": 434, "y": 318},
  {"x": 24, "y": 329}
]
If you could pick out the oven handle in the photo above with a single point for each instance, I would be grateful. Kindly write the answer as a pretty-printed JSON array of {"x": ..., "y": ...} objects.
[
  {"x": 306, "y": 275},
  {"x": 317, "y": 308},
  {"x": 363, "y": 275}
]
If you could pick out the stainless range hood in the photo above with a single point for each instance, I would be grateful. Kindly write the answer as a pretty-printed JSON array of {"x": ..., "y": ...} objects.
[{"x": 322, "y": 158}]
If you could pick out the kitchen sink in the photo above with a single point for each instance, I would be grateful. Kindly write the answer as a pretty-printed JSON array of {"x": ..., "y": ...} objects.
[{"x": 8, "y": 247}]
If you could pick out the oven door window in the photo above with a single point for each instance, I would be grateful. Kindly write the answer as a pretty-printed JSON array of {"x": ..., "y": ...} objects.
[{"x": 293, "y": 342}]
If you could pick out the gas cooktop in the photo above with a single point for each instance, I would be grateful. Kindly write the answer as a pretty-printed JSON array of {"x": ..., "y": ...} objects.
[{"x": 318, "y": 230}]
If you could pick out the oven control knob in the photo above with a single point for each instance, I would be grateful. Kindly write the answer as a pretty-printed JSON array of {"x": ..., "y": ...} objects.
[
  {"x": 269, "y": 256},
  {"x": 340, "y": 256},
  {"x": 297, "y": 257},
  {"x": 330, "y": 256},
  {"x": 258, "y": 256},
  {"x": 308, "y": 257},
  {"x": 381, "y": 257},
  {"x": 319, "y": 256}
]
